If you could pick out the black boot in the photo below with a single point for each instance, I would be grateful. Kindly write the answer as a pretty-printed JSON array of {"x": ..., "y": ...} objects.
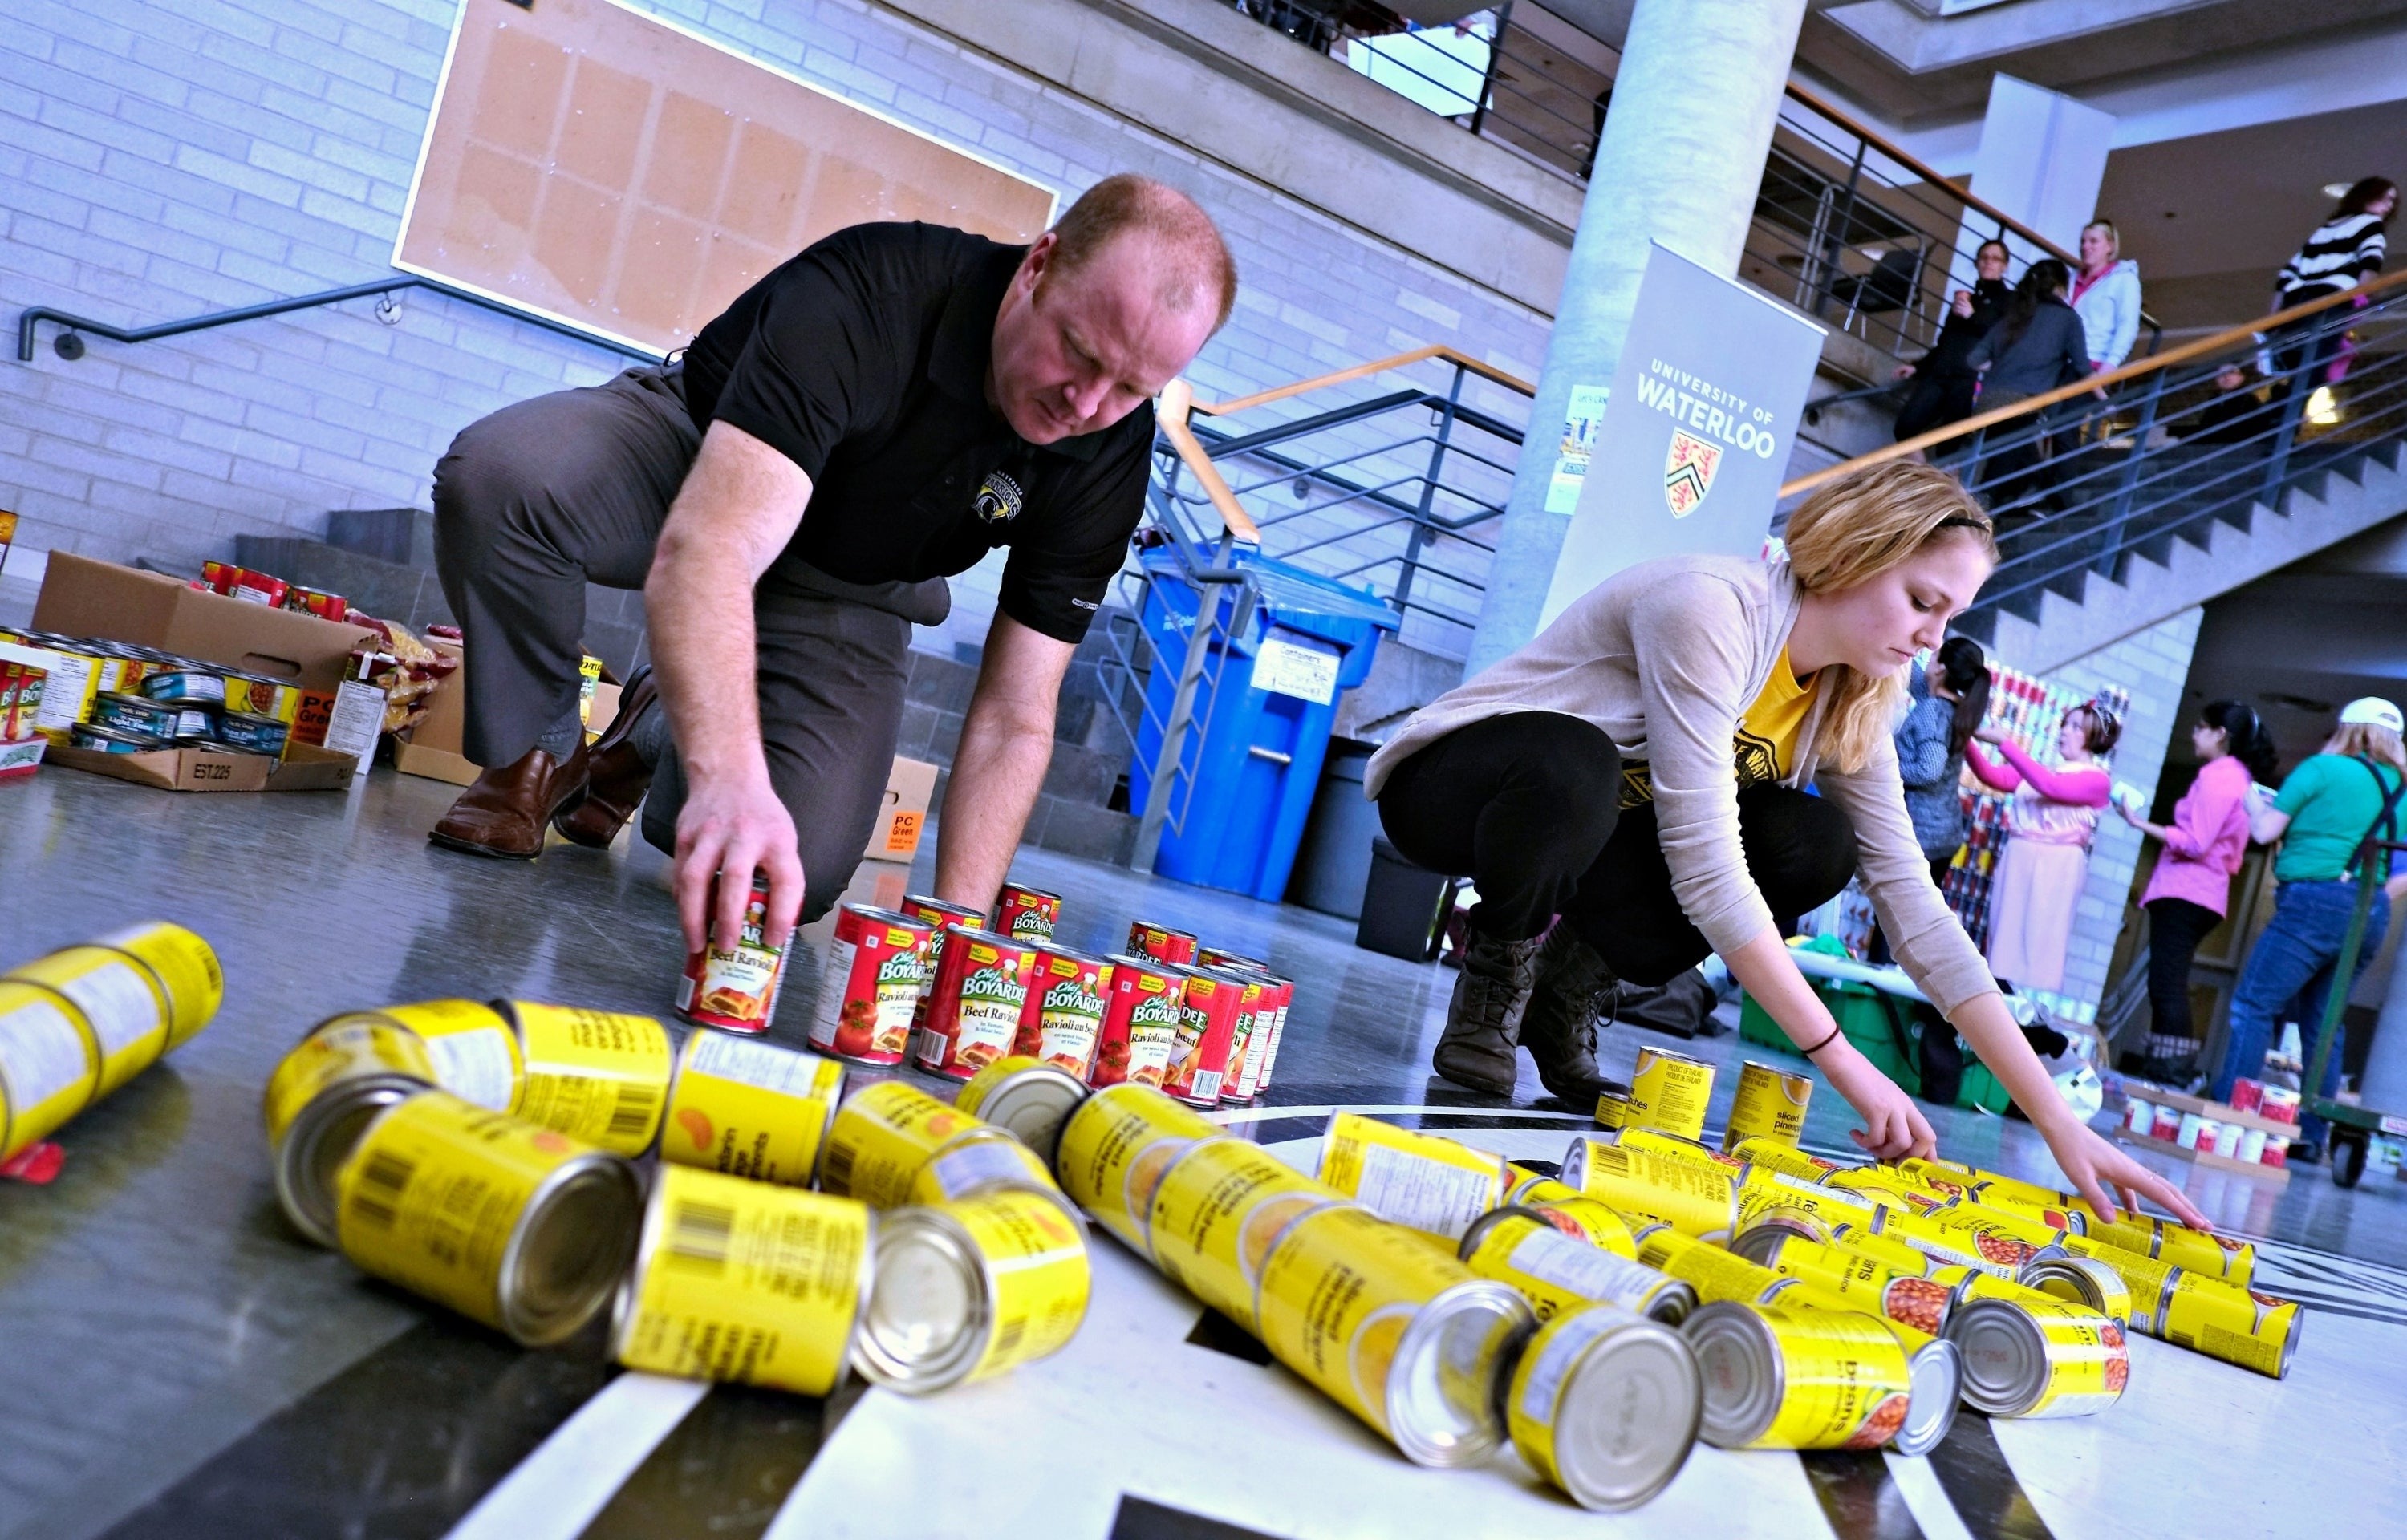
[
  {"x": 1483, "y": 1021},
  {"x": 1560, "y": 1025}
]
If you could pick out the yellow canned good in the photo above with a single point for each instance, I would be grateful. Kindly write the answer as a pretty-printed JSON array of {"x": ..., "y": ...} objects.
[
  {"x": 1616, "y": 1111},
  {"x": 1396, "y": 1332},
  {"x": 2239, "y": 1326},
  {"x": 982, "y": 1160},
  {"x": 1983, "y": 1248},
  {"x": 1422, "y": 1181},
  {"x": 258, "y": 697},
  {"x": 968, "y": 1290},
  {"x": 749, "y": 1109},
  {"x": 1777, "y": 1378},
  {"x": 1890, "y": 1251},
  {"x": 50, "y": 1066},
  {"x": 1670, "y": 1091},
  {"x": 476, "y": 1054},
  {"x": 347, "y": 1047},
  {"x": 1714, "y": 1272},
  {"x": 1557, "y": 1273},
  {"x": 1115, "y": 1149},
  {"x": 1771, "y": 1155},
  {"x": 2083, "y": 1280},
  {"x": 1866, "y": 1284},
  {"x": 321, "y": 1098},
  {"x": 882, "y": 1135},
  {"x": 2234, "y": 1262},
  {"x": 2039, "y": 1357},
  {"x": 1523, "y": 1185},
  {"x": 1217, "y": 1214},
  {"x": 595, "y": 1075},
  {"x": 116, "y": 998},
  {"x": 1692, "y": 1199},
  {"x": 520, "y": 1227},
  {"x": 1655, "y": 1141},
  {"x": 1764, "y": 1192},
  {"x": 185, "y": 967},
  {"x": 1884, "y": 1187},
  {"x": 1770, "y": 1105},
  {"x": 1585, "y": 1218},
  {"x": 740, "y": 1281},
  {"x": 1605, "y": 1404}
]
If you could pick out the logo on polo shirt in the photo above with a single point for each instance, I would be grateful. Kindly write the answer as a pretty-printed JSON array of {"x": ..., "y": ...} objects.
[{"x": 999, "y": 499}]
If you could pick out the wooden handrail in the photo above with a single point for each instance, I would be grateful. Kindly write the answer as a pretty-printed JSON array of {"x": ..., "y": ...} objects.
[
  {"x": 1364, "y": 371},
  {"x": 2244, "y": 331},
  {"x": 1930, "y": 173},
  {"x": 1170, "y": 415}
]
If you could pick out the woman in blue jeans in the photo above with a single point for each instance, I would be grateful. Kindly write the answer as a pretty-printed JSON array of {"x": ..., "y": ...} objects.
[{"x": 2328, "y": 807}]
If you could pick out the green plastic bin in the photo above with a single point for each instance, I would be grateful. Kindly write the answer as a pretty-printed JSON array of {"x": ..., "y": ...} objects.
[{"x": 1874, "y": 1021}]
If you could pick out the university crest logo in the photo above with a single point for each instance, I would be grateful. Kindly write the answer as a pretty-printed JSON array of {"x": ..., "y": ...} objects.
[
  {"x": 1689, "y": 472},
  {"x": 1000, "y": 498}
]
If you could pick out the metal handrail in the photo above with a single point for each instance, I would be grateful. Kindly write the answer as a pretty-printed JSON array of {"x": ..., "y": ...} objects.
[{"x": 69, "y": 342}]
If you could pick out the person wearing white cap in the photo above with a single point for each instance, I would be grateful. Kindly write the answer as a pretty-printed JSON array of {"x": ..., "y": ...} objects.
[{"x": 2328, "y": 808}]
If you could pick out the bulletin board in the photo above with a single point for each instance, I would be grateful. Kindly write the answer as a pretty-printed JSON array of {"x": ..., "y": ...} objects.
[{"x": 615, "y": 172}]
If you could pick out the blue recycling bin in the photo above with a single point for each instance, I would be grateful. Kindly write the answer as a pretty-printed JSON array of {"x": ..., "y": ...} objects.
[{"x": 1263, "y": 722}]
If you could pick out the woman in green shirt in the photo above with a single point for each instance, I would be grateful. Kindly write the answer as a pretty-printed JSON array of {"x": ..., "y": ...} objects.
[{"x": 2327, "y": 809}]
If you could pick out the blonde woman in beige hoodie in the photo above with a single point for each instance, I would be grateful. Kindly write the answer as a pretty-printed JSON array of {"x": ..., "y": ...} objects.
[{"x": 1630, "y": 792}]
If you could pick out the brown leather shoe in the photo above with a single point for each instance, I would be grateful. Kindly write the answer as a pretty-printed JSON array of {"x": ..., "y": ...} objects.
[
  {"x": 505, "y": 812},
  {"x": 619, "y": 777}
]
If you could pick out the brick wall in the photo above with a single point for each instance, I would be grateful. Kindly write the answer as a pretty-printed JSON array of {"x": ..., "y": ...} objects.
[
  {"x": 2154, "y": 665},
  {"x": 164, "y": 160}
]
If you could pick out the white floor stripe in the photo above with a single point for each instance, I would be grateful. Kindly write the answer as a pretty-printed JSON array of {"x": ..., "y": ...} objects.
[
  {"x": 556, "y": 1491},
  {"x": 1925, "y": 1499},
  {"x": 1266, "y": 1114}
]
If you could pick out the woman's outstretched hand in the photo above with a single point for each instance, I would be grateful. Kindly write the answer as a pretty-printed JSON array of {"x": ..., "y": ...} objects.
[
  {"x": 1894, "y": 1127},
  {"x": 2098, "y": 1171}
]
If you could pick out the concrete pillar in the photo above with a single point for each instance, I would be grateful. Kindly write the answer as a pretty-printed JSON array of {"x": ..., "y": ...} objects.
[
  {"x": 2385, "y": 1066},
  {"x": 1681, "y": 162},
  {"x": 2042, "y": 159}
]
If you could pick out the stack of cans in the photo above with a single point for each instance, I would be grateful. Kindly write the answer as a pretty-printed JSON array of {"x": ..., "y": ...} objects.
[{"x": 139, "y": 699}]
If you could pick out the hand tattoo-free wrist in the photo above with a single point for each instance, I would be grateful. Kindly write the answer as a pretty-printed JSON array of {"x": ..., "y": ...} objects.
[{"x": 1824, "y": 1043}]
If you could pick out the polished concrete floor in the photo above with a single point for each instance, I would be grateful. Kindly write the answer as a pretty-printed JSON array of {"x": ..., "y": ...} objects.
[{"x": 175, "y": 1363}]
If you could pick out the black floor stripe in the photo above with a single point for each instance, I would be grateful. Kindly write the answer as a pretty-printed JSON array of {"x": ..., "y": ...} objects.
[
  {"x": 1138, "y": 1520},
  {"x": 1858, "y": 1495},
  {"x": 400, "y": 1446},
  {"x": 724, "y": 1472},
  {"x": 1223, "y": 1335},
  {"x": 1981, "y": 1485}
]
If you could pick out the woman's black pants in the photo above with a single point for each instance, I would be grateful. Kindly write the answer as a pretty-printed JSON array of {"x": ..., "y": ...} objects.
[
  {"x": 2175, "y": 927},
  {"x": 1527, "y": 806}
]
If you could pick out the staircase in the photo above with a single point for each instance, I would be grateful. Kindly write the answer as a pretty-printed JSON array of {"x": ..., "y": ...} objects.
[{"x": 2113, "y": 517}]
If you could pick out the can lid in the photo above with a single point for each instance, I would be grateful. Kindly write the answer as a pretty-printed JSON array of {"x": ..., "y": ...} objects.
[
  {"x": 890, "y": 917},
  {"x": 1442, "y": 1392},
  {"x": 570, "y": 1250},
  {"x": 1148, "y": 965},
  {"x": 942, "y": 907},
  {"x": 1745, "y": 1381},
  {"x": 929, "y": 1302},
  {"x": 321, "y": 1137},
  {"x": 1934, "y": 1386},
  {"x": 1034, "y": 1103},
  {"x": 2004, "y": 1361},
  {"x": 1627, "y": 1416},
  {"x": 1494, "y": 1217},
  {"x": 1759, "y": 1242}
]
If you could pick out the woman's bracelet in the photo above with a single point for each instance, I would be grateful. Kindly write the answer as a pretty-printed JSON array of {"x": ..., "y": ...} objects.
[{"x": 1826, "y": 1042}]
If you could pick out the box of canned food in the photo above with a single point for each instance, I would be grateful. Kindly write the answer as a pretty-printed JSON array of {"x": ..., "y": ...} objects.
[{"x": 203, "y": 764}]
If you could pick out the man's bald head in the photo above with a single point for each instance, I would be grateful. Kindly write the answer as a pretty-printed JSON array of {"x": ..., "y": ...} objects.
[{"x": 1107, "y": 307}]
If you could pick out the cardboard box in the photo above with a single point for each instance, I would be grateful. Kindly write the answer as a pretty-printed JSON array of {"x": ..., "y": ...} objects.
[
  {"x": 81, "y": 597},
  {"x": 304, "y": 768},
  {"x": 431, "y": 748},
  {"x": 910, "y": 785}
]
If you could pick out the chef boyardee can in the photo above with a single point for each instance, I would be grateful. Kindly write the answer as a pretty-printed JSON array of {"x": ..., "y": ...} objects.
[
  {"x": 938, "y": 917},
  {"x": 1161, "y": 943},
  {"x": 1219, "y": 1212},
  {"x": 1249, "y": 1067},
  {"x": 968, "y": 1290},
  {"x": 734, "y": 988},
  {"x": 475, "y": 1051},
  {"x": 1140, "y": 1026},
  {"x": 1670, "y": 1091},
  {"x": 1557, "y": 1274},
  {"x": 749, "y": 1109},
  {"x": 117, "y": 999},
  {"x": 1423, "y": 1181},
  {"x": 2045, "y": 1358},
  {"x": 521, "y": 1228},
  {"x": 869, "y": 988},
  {"x": 1771, "y": 1105},
  {"x": 742, "y": 1282},
  {"x": 184, "y": 966},
  {"x": 1402, "y": 1336},
  {"x": 593, "y": 1075},
  {"x": 1207, "y": 1026},
  {"x": 1798, "y": 1380},
  {"x": 1030, "y": 1098},
  {"x": 1027, "y": 914},
  {"x": 974, "y": 1014},
  {"x": 48, "y": 1069},
  {"x": 1606, "y": 1404},
  {"x": 1063, "y": 1012},
  {"x": 1114, "y": 1150},
  {"x": 1696, "y": 1200},
  {"x": 323, "y": 1095},
  {"x": 2237, "y": 1325}
]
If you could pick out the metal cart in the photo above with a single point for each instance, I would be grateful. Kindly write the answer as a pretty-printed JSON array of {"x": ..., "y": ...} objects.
[{"x": 2352, "y": 1127}]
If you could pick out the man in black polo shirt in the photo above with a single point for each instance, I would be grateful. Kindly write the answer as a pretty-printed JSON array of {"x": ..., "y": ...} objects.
[{"x": 873, "y": 415}]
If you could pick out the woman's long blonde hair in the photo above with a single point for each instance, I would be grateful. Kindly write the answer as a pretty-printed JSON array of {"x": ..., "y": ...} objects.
[
  {"x": 1850, "y": 531},
  {"x": 2371, "y": 740}
]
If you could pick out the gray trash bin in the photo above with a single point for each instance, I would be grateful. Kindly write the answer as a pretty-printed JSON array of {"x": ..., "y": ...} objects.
[{"x": 1335, "y": 858}]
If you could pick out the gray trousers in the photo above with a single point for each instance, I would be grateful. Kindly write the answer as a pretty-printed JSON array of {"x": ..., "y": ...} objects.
[{"x": 536, "y": 500}]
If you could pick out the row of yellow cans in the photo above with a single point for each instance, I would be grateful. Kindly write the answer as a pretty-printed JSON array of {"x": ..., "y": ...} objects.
[
  {"x": 81, "y": 1022},
  {"x": 1670, "y": 1091}
]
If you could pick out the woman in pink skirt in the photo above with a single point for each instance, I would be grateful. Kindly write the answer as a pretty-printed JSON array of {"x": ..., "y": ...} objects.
[{"x": 2049, "y": 826}]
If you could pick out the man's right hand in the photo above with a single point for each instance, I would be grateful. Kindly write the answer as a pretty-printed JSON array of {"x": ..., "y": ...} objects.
[{"x": 737, "y": 827}]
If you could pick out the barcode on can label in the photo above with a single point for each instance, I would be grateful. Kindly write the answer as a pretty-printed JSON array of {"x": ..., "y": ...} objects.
[
  {"x": 118, "y": 1004},
  {"x": 837, "y": 1177},
  {"x": 699, "y": 1234},
  {"x": 476, "y": 1067},
  {"x": 41, "y": 1055},
  {"x": 1207, "y": 1083},
  {"x": 631, "y": 1115},
  {"x": 762, "y": 1065},
  {"x": 377, "y": 1198}
]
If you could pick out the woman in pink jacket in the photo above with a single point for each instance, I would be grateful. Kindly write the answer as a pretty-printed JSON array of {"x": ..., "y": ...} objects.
[
  {"x": 2048, "y": 828},
  {"x": 2191, "y": 891}
]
